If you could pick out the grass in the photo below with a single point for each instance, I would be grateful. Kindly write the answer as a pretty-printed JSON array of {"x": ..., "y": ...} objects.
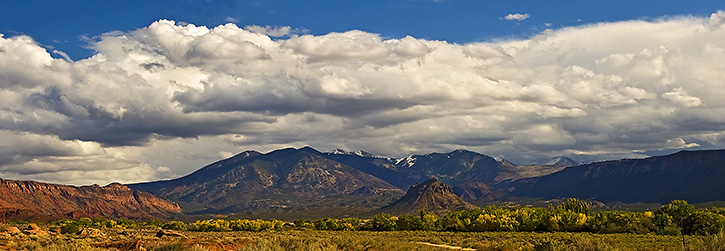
[{"x": 309, "y": 239}]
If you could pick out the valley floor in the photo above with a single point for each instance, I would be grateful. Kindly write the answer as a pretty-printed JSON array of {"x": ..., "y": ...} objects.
[{"x": 309, "y": 239}]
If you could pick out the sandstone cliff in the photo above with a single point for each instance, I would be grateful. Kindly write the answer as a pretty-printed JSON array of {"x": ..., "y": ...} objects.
[{"x": 31, "y": 200}]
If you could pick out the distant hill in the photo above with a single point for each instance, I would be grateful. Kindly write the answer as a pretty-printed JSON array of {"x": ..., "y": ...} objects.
[
  {"x": 695, "y": 176},
  {"x": 432, "y": 196},
  {"x": 30, "y": 200}
]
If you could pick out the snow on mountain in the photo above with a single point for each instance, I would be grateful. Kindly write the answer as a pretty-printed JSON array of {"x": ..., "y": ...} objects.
[
  {"x": 504, "y": 161},
  {"x": 360, "y": 153},
  {"x": 407, "y": 161},
  {"x": 561, "y": 161}
]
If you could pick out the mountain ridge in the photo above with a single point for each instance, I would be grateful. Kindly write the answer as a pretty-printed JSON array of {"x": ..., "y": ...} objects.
[{"x": 695, "y": 176}]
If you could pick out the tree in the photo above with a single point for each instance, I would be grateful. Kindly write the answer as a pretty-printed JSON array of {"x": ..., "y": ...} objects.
[
  {"x": 174, "y": 225},
  {"x": 576, "y": 206},
  {"x": 384, "y": 222},
  {"x": 678, "y": 209},
  {"x": 670, "y": 218},
  {"x": 409, "y": 222},
  {"x": 429, "y": 222},
  {"x": 703, "y": 223}
]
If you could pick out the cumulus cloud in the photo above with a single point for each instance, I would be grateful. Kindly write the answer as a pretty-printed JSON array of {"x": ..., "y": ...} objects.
[
  {"x": 163, "y": 100},
  {"x": 517, "y": 17},
  {"x": 716, "y": 20}
]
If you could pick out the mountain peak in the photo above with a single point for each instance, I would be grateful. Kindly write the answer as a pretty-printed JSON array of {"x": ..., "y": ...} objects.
[
  {"x": 561, "y": 161},
  {"x": 308, "y": 149},
  {"x": 432, "y": 196},
  {"x": 504, "y": 161}
]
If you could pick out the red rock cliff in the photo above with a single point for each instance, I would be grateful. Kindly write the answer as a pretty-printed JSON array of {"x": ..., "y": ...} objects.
[{"x": 43, "y": 201}]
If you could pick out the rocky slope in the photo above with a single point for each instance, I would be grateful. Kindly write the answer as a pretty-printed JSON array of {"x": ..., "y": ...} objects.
[
  {"x": 432, "y": 196},
  {"x": 42, "y": 201}
]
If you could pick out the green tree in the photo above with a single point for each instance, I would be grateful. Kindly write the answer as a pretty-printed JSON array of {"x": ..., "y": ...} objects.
[
  {"x": 384, "y": 222},
  {"x": 531, "y": 219},
  {"x": 174, "y": 225},
  {"x": 576, "y": 206},
  {"x": 703, "y": 223},
  {"x": 429, "y": 222},
  {"x": 348, "y": 224},
  {"x": 453, "y": 222},
  {"x": 678, "y": 209},
  {"x": 409, "y": 222}
]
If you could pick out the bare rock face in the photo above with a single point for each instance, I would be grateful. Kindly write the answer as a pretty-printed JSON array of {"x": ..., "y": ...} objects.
[
  {"x": 432, "y": 196},
  {"x": 43, "y": 201}
]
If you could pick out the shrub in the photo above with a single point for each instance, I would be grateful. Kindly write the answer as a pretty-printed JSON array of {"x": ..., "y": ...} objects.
[
  {"x": 715, "y": 242},
  {"x": 70, "y": 228},
  {"x": 170, "y": 247}
]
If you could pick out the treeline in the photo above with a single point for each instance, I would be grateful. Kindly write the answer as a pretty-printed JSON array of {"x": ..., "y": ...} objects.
[
  {"x": 677, "y": 217},
  {"x": 67, "y": 226}
]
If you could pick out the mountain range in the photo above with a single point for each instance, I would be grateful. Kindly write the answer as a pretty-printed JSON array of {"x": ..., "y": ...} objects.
[{"x": 306, "y": 183}]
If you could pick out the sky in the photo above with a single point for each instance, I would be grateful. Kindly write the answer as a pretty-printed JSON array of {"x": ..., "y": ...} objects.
[{"x": 93, "y": 92}]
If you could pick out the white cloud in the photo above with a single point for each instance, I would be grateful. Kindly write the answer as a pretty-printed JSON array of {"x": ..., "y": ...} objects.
[
  {"x": 166, "y": 99},
  {"x": 517, "y": 17},
  {"x": 269, "y": 30},
  {"x": 679, "y": 96},
  {"x": 716, "y": 20}
]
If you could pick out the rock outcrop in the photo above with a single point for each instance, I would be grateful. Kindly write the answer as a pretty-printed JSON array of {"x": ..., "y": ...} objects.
[{"x": 432, "y": 196}]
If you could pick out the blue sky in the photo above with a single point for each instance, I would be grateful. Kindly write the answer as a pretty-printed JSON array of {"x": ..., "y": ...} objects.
[
  {"x": 63, "y": 25},
  {"x": 156, "y": 89}
]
